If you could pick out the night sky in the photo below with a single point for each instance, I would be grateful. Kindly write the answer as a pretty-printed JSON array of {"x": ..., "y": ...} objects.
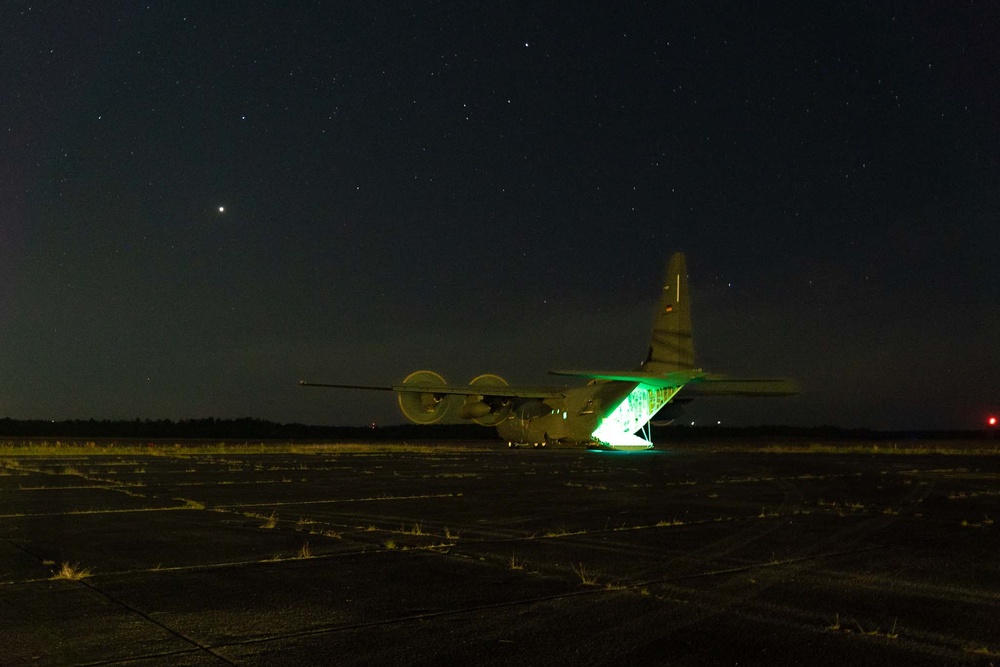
[{"x": 202, "y": 203}]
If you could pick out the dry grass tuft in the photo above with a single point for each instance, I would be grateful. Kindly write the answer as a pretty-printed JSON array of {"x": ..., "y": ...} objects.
[
  {"x": 270, "y": 521},
  {"x": 417, "y": 529},
  {"x": 71, "y": 572},
  {"x": 586, "y": 578}
]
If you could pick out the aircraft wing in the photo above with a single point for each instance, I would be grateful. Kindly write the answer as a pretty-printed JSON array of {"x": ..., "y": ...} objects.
[
  {"x": 482, "y": 390},
  {"x": 645, "y": 378},
  {"x": 303, "y": 383},
  {"x": 461, "y": 390}
]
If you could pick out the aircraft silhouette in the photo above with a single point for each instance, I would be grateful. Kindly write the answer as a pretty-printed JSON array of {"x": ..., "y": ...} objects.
[{"x": 606, "y": 412}]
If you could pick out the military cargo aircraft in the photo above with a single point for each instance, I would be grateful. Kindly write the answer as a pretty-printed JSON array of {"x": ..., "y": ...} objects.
[{"x": 608, "y": 411}]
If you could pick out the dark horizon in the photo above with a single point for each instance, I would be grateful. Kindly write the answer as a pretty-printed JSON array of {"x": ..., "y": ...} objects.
[{"x": 249, "y": 428}]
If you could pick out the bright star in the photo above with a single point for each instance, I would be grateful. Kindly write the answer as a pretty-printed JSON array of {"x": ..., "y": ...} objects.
[{"x": 222, "y": 209}]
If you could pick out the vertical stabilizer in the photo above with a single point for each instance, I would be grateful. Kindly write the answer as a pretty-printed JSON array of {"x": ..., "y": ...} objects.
[{"x": 671, "y": 347}]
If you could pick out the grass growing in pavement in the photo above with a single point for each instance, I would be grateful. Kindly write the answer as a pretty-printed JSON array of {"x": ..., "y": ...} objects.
[
  {"x": 562, "y": 531},
  {"x": 416, "y": 530},
  {"x": 962, "y": 447},
  {"x": 586, "y": 578},
  {"x": 71, "y": 572},
  {"x": 190, "y": 504},
  {"x": 27, "y": 447}
]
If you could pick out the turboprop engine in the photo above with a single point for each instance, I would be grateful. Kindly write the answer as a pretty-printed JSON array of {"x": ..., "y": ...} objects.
[
  {"x": 429, "y": 407},
  {"x": 425, "y": 407},
  {"x": 484, "y": 409}
]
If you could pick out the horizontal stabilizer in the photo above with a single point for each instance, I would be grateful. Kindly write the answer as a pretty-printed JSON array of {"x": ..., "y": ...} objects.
[
  {"x": 645, "y": 378},
  {"x": 722, "y": 385}
]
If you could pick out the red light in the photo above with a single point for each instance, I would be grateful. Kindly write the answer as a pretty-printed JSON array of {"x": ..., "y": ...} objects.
[{"x": 992, "y": 421}]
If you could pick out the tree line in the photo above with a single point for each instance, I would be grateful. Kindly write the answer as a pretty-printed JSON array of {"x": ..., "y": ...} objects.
[
  {"x": 249, "y": 428},
  {"x": 211, "y": 428}
]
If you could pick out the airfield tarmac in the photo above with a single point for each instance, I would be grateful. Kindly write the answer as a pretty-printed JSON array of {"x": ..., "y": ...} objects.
[{"x": 480, "y": 555}]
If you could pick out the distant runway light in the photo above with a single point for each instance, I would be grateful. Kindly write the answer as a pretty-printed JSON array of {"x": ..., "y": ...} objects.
[{"x": 992, "y": 421}]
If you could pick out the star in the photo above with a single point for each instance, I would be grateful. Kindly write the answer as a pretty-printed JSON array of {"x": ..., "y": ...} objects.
[{"x": 222, "y": 209}]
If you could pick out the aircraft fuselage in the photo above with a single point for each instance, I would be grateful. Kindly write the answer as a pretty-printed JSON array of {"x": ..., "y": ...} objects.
[{"x": 605, "y": 412}]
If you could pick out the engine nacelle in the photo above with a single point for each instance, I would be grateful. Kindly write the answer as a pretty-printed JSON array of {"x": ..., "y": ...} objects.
[
  {"x": 425, "y": 407},
  {"x": 484, "y": 409},
  {"x": 474, "y": 409}
]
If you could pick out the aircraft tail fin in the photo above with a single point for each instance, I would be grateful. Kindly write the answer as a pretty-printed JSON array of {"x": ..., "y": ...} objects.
[{"x": 671, "y": 347}]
